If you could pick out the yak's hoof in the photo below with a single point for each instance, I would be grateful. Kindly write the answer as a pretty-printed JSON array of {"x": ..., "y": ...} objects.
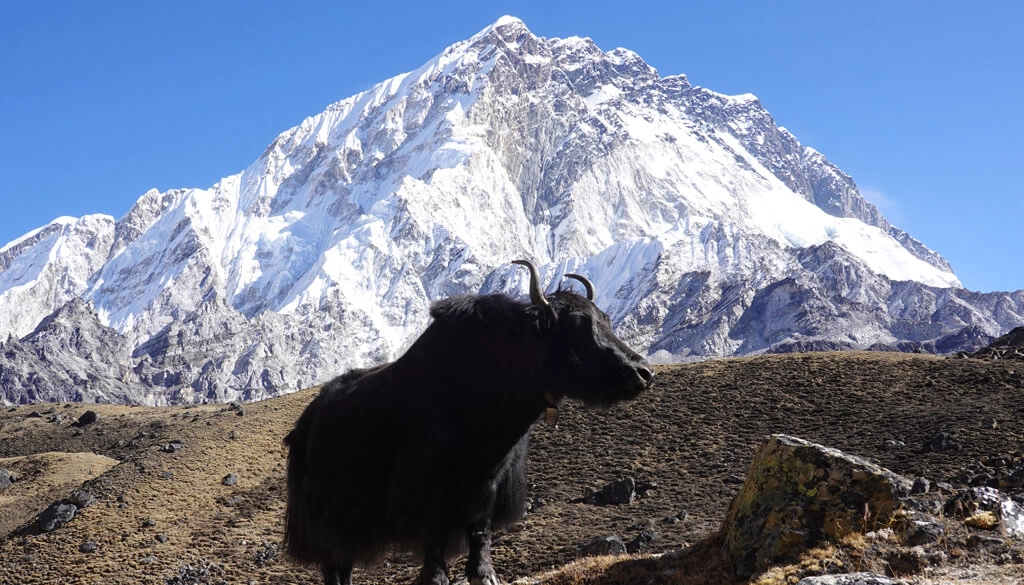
[
  {"x": 437, "y": 578},
  {"x": 489, "y": 579}
]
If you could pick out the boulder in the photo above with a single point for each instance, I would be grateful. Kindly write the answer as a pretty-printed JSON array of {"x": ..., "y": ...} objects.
[
  {"x": 606, "y": 545},
  {"x": 797, "y": 494},
  {"x": 6, "y": 479},
  {"x": 87, "y": 418},
  {"x": 621, "y": 491},
  {"x": 986, "y": 507},
  {"x": 56, "y": 516}
]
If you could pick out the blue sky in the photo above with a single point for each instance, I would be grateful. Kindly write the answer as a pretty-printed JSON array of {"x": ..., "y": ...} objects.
[{"x": 921, "y": 102}]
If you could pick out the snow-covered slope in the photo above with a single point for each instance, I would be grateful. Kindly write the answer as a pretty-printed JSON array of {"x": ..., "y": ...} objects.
[{"x": 707, "y": 229}]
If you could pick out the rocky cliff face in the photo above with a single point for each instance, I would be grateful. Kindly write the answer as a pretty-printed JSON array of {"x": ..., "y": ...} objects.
[{"x": 707, "y": 229}]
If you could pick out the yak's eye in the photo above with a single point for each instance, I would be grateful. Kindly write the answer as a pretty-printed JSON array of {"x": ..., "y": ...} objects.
[{"x": 580, "y": 320}]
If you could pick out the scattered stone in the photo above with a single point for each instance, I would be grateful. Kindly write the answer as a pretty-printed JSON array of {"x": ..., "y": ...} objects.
[
  {"x": 980, "y": 504},
  {"x": 1012, "y": 480},
  {"x": 798, "y": 493},
  {"x": 35, "y": 414},
  {"x": 944, "y": 487},
  {"x": 166, "y": 475},
  {"x": 148, "y": 523},
  {"x": 848, "y": 579},
  {"x": 161, "y": 538},
  {"x": 989, "y": 423},
  {"x": 172, "y": 447},
  {"x": 607, "y": 545},
  {"x": 232, "y": 501},
  {"x": 979, "y": 540},
  {"x": 232, "y": 435},
  {"x": 642, "y": 487},
  {"x": 622, "y": 491},
  {"x": 943, "y": 442},
  {"x": 237, "y": 407},
  {"x": 147, "y": 560},
  {"x": 81, "y": 498},
  {"x": 56, "y": 516},
  {"x": 87, "y": 547},
  {"x": 923, "y": 529},
  {"x": 87, "y": 418},
  {"x": 921, "y": 486},
  {"x": 266, "y": 553},
  {"x": 189, "y": 575},
  {"x": 641, "y": 542},
  {"x": 6, "y": 479},
  {"x": 892, "y": 445},
  {"x": 230, "y": 479}
]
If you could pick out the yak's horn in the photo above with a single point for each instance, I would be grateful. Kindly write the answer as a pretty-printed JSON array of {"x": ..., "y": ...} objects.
[
  {"x": 586, "y": 284},
  {"x": 536, "y": 295}
]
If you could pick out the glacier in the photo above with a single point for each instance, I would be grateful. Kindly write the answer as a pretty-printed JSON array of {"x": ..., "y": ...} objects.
[{"x": 707, "y": 229}]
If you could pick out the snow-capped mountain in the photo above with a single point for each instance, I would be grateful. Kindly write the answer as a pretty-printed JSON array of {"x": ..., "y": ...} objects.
[{"x": 707, "y": 229}]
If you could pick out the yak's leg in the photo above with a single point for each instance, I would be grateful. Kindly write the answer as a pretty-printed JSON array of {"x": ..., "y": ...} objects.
[
  {"x": 337, "y": 574},
  {"x": 435, "y": 569},
  {"x": 479, "y": 570}
]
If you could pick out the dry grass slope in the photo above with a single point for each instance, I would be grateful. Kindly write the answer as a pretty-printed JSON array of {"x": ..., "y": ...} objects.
[{"x": 694, "y": 433}]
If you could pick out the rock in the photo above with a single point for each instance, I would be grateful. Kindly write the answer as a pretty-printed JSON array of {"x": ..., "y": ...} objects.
[
  {"x": 161, "y": 538},
  {"x": 172, "y": 447},
  {"x": 986, "y": 507},
  {"x": 622, "y": 491},
  {"x": 230, "y": 479},
  {"x": 1012, "y": 480},
  {"x": 642, "y": 487},
  {"x": 892, "y": 445},
  {"x": 642, "y": 541},
  {"x": 56, "y": 516},
  {"x": 146, "y": 560},
  {"x": 922, "y": 529},
  {"x": 148, "y": 523},
  {"x": 607, "y": 545},
  {"x": 848, "y": 579},
  {"x": 266, "y": 553},
  {"x": 6, "y": 479},
  {"x": 87, "y": 547},
  {"x": 921, "y": 486},
  {"x": 989, "y": 423},
  {"x": 87, "y": 418},
  {"x": 943, "y": 442},
  {"x": 81, "y": 498},
  {"x": 797, "y": 494}
]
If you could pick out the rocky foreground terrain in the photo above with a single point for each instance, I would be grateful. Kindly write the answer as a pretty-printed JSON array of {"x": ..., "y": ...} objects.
[{"x": 194, "y": 494}]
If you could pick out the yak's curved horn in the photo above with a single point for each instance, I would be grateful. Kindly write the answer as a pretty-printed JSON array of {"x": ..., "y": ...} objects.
[
  {"x": 586, "y": 284},
  {"x": 536, "y": 295}
]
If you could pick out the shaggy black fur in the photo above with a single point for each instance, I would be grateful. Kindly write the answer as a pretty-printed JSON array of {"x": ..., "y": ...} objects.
[{"x": 428, "y": 453}]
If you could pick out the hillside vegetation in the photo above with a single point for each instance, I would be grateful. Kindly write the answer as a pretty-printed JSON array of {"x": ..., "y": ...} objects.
[{"x": 165, "y": 512}]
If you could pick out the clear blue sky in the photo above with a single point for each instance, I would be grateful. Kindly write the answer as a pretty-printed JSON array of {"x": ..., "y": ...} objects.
[{"x": 921, "y": 102}]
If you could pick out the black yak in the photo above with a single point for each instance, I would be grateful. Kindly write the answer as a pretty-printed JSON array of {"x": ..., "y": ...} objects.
[{"x": 427, "y": 454}]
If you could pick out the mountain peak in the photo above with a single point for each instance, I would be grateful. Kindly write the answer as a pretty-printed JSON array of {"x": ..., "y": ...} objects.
[{"x": 706, "y": 228}]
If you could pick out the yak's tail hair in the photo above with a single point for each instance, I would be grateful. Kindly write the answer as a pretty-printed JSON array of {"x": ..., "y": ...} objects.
[{"x": 296, "y": 518}]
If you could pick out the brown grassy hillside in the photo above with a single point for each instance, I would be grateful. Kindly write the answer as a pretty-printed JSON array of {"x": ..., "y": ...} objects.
[{"x": 163, "y": 513}]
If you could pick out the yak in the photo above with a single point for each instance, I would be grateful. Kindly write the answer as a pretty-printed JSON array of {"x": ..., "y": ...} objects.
[{"x": 427, "y": 454}]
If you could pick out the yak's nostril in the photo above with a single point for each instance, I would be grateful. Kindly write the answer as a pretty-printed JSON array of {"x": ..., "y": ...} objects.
[{"x": 646, "y": 374}]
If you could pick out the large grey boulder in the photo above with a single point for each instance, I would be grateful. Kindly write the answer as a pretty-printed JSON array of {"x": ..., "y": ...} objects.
[{"x": 799, "y": 493}]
